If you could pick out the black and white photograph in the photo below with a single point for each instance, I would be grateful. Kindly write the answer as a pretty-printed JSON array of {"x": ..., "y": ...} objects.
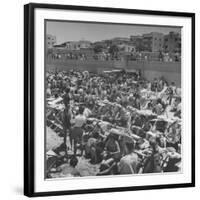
[
  {"x": 109, "y": 100},
  {"x": 112, "y": 100},
  {"x": 98, "y": 99}
]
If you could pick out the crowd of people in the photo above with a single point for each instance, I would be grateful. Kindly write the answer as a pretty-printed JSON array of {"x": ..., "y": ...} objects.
[
  {"x": 116, "y": 120},
  {"x": 120, "y": 56}
]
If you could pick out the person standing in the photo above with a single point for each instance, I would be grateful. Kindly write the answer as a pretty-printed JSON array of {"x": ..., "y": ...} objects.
[
  {"x": 77, "y": 131},
  {"x": 66, "y": 97},
  {"x": 67, "y": 115}
]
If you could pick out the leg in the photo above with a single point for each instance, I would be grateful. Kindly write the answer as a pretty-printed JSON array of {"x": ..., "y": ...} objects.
[
  {"x": 70, "y": 138},
  {"x": 75, "y": 146}
]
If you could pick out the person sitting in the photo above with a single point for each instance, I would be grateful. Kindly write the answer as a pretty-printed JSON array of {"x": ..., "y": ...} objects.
[
  {"x": 158, "y": 109},
  {"x": 61, "y": 151},
  {"x": 128, "y": 163},
  {"x": 173, "y": 159},
  {"x": 108, "y": 167},
  {"x": 152, "y": 163},
  {"x": 95, "y": 147},
  {"x": 70, "y": 169},
  {"x": 112, "y": 147},
  {"x": 89, "y": 148}
]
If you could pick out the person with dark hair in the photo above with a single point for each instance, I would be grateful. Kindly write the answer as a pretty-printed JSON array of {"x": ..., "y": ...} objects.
[
  {"x": 71, "y": 168},
  {"x": 152, "y": 163},
  {"x": 172, "y": 165},
  {"x": 158, "y": 109},
  {"x": 112, "y": 147},
  {"x": 128, "y": 163},
  {"x": 73, "y": 161}
]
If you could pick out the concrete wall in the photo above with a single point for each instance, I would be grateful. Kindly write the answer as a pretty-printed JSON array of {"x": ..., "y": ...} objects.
[
  {"x": 150, "y": 70},
  {"x": 170, "y": 70}
]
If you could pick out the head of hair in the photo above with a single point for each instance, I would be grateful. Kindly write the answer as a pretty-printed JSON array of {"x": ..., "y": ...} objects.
[
  {"x": 130, "y": 146},
  {"x": 81, "y": 109},
  {"x": 96, "y": 134},
  {"x": 159, "y": 100},
  {"x": 153, "y": 143},
  {"x": 73, "y": 161},
  {"x": 67, "y": 90}
]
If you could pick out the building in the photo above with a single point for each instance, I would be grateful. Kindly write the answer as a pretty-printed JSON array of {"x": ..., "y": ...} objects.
[
  {"x": 135, "y": 38},
  {"x": 153, "y": 41},
  {"x": 84, "y": 44},
  {"x": 72, "y": 45},
  {"x": 76, "y": 45},
  {"x": 137, "y": 41},
  {"x": 119, "y": 40},
  {"x": 172, "y": 43},
  {"x": 50, "y": 41}
]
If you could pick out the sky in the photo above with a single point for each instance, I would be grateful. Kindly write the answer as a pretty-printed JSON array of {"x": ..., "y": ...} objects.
[{"x": 75, "y": 31}]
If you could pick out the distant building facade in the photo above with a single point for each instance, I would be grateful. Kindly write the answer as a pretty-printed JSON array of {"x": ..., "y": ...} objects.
[
  {"x": 150, "y": 42},
  {"x": 119, "y": 40},
  {"x": 150, "y": 46},
  {"x": 153, "y": 42},
  {"x": 137, "y": 41},
  {"x": 172, "y": 43},
  {"x": 50, "y": 41},
  {"x": 75, "y": 45},
  {"x": 128, "y": 48}
]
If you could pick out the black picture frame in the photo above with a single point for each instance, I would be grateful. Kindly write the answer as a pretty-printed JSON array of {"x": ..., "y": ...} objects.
[{"x": 29, "y": 81}]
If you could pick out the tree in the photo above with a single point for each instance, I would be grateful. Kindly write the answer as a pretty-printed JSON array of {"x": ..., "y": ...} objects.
[{"x": 98, "y": 48}]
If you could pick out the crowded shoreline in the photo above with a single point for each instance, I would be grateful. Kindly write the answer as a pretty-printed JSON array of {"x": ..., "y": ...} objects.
[{"x": 115, "y": 122}]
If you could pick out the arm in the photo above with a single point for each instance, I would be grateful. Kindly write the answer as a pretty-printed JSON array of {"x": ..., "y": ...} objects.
[
  {"x": 107, "y": 171},
  {"x": 118, "y": 148}
]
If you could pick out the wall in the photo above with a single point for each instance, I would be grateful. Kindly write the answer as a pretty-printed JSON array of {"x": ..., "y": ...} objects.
[
  {"x": 150, "y": 70},
  {"x": 171, "y": 71}
]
